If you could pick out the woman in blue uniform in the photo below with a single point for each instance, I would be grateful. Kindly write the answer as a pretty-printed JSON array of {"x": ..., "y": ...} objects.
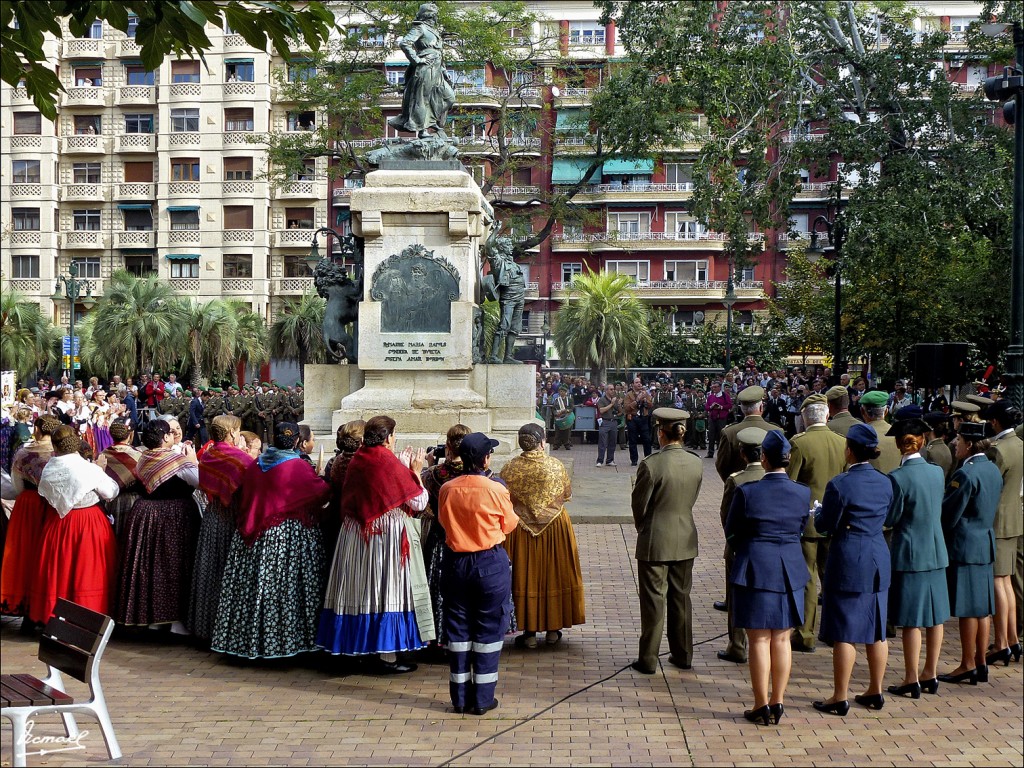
[
  {"x": 857, "y": 572},
  {"x": 769, "y": 574},
  {"x": 968, "y": 513}
]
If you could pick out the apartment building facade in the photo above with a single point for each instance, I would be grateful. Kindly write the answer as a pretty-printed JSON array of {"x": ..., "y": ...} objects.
[{"x": 163, "y": 172}]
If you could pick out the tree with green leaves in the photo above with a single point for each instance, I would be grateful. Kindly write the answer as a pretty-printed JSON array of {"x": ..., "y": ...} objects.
[
  {"x": 801, "y": 314},
  {"x": 602, "y": 324},
  {"x": 297, "y": 334},
  {"x": 28, "y": 340},
  {"x": 164, "y": 27},
  {"x": 923, "y": 167},
  {"x": 219, "y": 335}
]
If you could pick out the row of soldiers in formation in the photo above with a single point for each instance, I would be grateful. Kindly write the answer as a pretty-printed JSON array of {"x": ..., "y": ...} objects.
[{"x": 259, "y": 411}]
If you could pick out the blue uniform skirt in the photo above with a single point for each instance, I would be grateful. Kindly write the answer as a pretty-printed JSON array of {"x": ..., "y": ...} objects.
[
  {"x": 762, "y": 609},
  {"x": 971, "y": 590},
  {"x": 853, "y": 617},
  {"x": 919, "y": 598}
]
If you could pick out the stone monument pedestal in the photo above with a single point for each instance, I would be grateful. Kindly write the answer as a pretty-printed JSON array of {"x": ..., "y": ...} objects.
[{"x": 323, "y": 387}]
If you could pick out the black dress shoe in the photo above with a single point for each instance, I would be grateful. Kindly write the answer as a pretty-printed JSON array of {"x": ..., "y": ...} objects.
[
  {"x": 970, "y": 676},
  {"x": 641, "y": 668},
  {"x": 930, "y": 686},
  {"x": 982, "y": 673},
  {"x": 839, "y": 708},
  {"x": 1017, "y": 650},
  {"x": 726, "y": 656},
  {"x": 458, "y": 710},
  {"x": 996, "y": 657},
  {"x": 393, "y": 667},
  {"x": 870, "y": 700},
  {"x": 681, "y": 664},
  {"x": 484, "y": 710},
  {"x": 721, "y": 605},
  {"x": 910, "y": 689},
  {"x": 761, "y": 715},
  {"x": 777, "y": 710}
]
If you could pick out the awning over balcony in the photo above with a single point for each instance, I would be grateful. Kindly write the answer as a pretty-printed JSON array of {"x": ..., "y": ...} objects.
[
  {"x": 182, "y": 256},
  {"x": 135, "y": 206},
  {"x": 246, "y": 60},
  {"x": 175, "y": 208},
  {"x": 624, "y": 165},
  {"x": 571, "y": 170}
]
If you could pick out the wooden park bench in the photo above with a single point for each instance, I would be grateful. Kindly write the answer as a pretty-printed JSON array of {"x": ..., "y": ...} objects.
[{"x": 73, "y": 643}]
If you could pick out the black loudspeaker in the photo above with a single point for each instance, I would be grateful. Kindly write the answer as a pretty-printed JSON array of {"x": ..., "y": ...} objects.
[
  {"x": 954, "y": 363},
  {"x": 927, "y": 363}
]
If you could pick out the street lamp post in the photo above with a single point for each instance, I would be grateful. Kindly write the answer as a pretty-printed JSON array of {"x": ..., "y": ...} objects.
[
  {"x": 834, "y": 232},
  {"x": 347, "y": 243},
  {"x": 546, "y": 329},
  {"x": 74, "y": 290},
  {"x": 729, "y": 300}
]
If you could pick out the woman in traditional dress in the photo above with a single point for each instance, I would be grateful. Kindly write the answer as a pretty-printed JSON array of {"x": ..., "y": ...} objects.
[
  {"x": 101, "y": 417},
  {"x": 433, "y": 478},
  {"x": 221, "y": 469},
  {"x": 968, "y": 515},
  {"x": 119, "y": 462},
  {"x": 855, "y": 590},
  {"x": 159, "y": 539},
  {"x": 370, "y": 608},
  {"x": 274, "y": 576},
  {"x": 547, "y": 583},
  {"x": 347, "y": 440},
  {"x": 25, "y": 529},
  {"x": 918, "y": 596},
  {"x": 428, "y": 94},
  {"x": 78, "y": 551}
]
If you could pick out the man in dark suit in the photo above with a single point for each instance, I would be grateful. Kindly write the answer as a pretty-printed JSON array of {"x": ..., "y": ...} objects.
[
  {"x": 775, "y": 407},
  {"x": 666, "y": 488},
  {"x": 196, "y": 429}
]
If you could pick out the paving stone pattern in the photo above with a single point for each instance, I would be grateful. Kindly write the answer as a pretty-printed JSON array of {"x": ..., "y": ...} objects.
[{"x": 575, "y": 703}]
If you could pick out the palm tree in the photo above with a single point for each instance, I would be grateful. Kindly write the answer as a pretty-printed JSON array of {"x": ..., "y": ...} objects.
[
  {"x": 138, "y": 322},
  {"x": 28, "y": 340},
  {"x": 253, "y": 342},
  {"x": 297, "y": 334},
  {"x": 212, "y": 336},
  {"x": 602, "y": 323}
]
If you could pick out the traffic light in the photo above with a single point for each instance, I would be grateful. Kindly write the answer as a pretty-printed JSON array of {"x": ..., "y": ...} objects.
[{"x": 1004, "y": 88}]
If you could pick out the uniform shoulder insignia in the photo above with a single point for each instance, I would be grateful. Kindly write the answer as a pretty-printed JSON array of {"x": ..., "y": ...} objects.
[
  {"x": 954, "y": 484},
  {"x": 734, "y": 474},
  {"x": 692, "y": 453}
]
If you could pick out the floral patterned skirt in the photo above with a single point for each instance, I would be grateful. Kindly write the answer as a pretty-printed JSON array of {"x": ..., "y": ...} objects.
[
  {"x": 215, "y": 535},
  {"x": 271, "y": 594}
]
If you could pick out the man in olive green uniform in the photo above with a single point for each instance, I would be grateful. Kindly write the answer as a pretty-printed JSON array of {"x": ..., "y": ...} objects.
[
  {"x": 168, "y": 406},
  {"x": 245, "y": 410},
  {"x": 936, "y": 450},
  {"x": 872, "y": 406},
  {"x": 840, "y": 419},
  {"x": 1007, "y": 452},
  {"x": 265, "y": 404},
  {"x": 215, "y": 407},
  {"x": 750, "y": 440},
  {"x": 296, "y": 405},
  {"x": 818, "y": 455},
  {"x": 666, "y": 487},
  {"x": 728, "y": 460}
]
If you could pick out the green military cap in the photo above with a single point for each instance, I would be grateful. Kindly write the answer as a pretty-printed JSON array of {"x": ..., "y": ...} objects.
[
  {"x": 979, "y": 400},
  {"x": 265, "y": 384},
  {"x": 670, "y": 415},
  {"x": 751, "y": 435},
  {"x": 299, "y": 384},
  {"x": 748, "y": 395},
  {"x": 815, "y": 399},
  {"x": 874, "y": 398},
  {"x": 836, "y": 392},
  {"x": 961, "y": 407},
  {"x": 188, "y": 393}
]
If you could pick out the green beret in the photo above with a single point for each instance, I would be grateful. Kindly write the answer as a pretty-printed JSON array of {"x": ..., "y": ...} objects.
[
  {"x": 816, "y": 399},
  {"x": 299, "y": 384},
  {"x": 874, "y": 398},
  {"x": 750, "y": 395},
  {"x": 265, "y": 384},
  {"x": 751, "y": 435},
  {"x": 188, "y": 392},
  {"x": 218, "y": 390}
]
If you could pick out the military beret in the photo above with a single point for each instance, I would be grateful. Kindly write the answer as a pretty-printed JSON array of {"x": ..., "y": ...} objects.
[
  {"x": 748, "y": 395},
  {"x": 299, "y": 384},
  {"x": 908, "y": 412},
  {"x": 188, "y": 393},
  {"x": 816, "y": 399},
  {"x": 775, "y": 447},
  {"x": 836, "y": 392},
  {"x": 972, "y": 430},
  {"x": 862, "y": 434},
  {"x": 959, "y": 406},
  {"x": 979, "y": 400},
  {"x": 265, "y": 384},
  {"x": 874, "y": 398},
  {"x": 751, "y": 435},
  {"x": 670, "y": 415}
]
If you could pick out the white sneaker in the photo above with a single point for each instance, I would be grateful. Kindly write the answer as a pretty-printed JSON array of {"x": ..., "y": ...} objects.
[
  {"x": 611, "y": 464},
  {"x": 599, "y": 464}
]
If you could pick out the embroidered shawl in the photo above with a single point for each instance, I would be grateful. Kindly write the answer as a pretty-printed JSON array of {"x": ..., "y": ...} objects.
[
  {"x": 158, "y": 465},
  {"x": 121, "y": 463},
  {"x": 221, "y": 469},
  {"x": 375, "y": 483},
  {"x": 288, "y": 490},
  {"x": 70, "y": 482},
  {"x": 30, "y": 460},
  {"x": 539, "y": 486}
]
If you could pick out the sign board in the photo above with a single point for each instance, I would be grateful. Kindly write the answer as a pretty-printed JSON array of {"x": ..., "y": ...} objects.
[
  {"x": 586, "y": 418},
  {"x": 8, "y": 387},
  {"x": 65, "y": 347}
]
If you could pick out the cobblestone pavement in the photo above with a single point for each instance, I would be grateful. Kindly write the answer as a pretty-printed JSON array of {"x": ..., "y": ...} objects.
[{"x": 574, "y": 703}]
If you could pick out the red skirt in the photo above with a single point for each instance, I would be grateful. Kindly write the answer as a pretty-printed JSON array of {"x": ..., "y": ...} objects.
[
  {"x": 21, "y": 551},
  {"x": 77, "y": 561}
]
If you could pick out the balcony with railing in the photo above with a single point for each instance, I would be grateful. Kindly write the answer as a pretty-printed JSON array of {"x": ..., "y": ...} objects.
[
  {"x": 85, "y": 239},
  {"x": 133, "y": 95},
  {"x": 127, "y": 48},
  {"x": 84, "y": 193},
  {"x": 532, "y": 291},
  {"x": 32, "y": 190},
  {"x": 814, "y": 190},
  {"x": 26, "y": 286},
  {"x": 135, "y": 238},
  {"x": 246, "y": 91},
  {"x": 241, "y": 188},
  {"x": 86, "y": 96},
  {"x": 293, "y": 286},
  {"x": 185, "y": 285},
  {"x": 84, "y": 144},
  {"x": 294, "y": 238},
  {"x": 20, "y": 97},
  {"x": 136, "y": 190},
  {"x": 136, "y": 142},
  {"x": 235, "y": 139},
  {"x": 179, "y": 139},
  {"x": 84, "y": 48},
  {"x": 189, "y": 189},
  {"x": 176, "y": 91},
  {"x": 681, "y": 291},
  {"x": 298, "y": 190},
  {"x": 182, "y": 234},
  {"x": 237, "y": 285},
  {"x": 482, "y": 144},
  {"x": 793, "y": 137},
  {"x": 640, "y": 190},
  {"x": 637, "y": 241},
  {"x": 253, "y": 237},
  {"x": 515, "y": 194},
  {"x": 787, "y": 239},
  {"x": 574, "y": 97}
]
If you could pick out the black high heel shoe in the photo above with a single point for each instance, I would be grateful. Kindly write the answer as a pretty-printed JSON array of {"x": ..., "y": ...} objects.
[
  {"x": 839, "y": 708},
  {"x": 870, "y": 700},
  {"x": 1003, "y": 656},
  {"x": 930, "y": 686},
  {"x": 914, "y": 689},
  {"x": 983, "y": 673},
  {"x": 970, "y": 676},
  {"x": 1017, "y": 651},
  {"x": 778, "y": 710},
  {"x": 760, "y": 715}
]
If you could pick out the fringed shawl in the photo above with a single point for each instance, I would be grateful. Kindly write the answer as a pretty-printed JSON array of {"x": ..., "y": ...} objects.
[
  {"x": 121, "y": 463},
  {"x": 158, "y": 465},
  {"x": 221, "y": 469},
  {"x": 30, "y": 460},
  {"x": 287, "y": 490},
  {"x": 539, "y": 486},
  {"x": 375, "y": 483}
]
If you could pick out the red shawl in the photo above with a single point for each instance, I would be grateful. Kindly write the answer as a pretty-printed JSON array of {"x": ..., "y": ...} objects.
[
  {"x": 375, "y": 483},
  {"x": 158, "y": 465},
  {"x": 290, "y": 490},
  {"x": 221, "y": 468},
  {"x": 121, "y": 463}
]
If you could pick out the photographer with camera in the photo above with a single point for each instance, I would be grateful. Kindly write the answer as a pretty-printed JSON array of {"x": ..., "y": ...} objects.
[
  {"x": 609, "y": 409},
  {"x": 639, "y": 405}
]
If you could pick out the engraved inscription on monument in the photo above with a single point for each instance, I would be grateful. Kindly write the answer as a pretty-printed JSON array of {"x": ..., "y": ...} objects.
[
  {"x": 416, "y": 290},
  {"x": 415, "y": 351}
]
